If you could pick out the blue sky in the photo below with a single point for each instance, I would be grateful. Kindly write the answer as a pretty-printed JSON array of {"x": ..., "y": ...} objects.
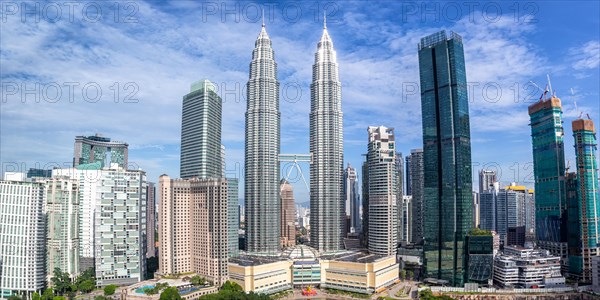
[{"x": 143, "y": 56}]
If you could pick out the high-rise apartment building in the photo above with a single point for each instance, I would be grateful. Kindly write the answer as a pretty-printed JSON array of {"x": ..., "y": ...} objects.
[
  {"x": 405, "y": 212},
  {"x": 288, "y": 215},
  {"x": 62, "y": 214},
  {"x": 365, "y": 203},
  {"x": 150, "y": 219},
  {"x": 383, "y": 205},
  {"x": 399, "y": 194},
  {"x": 22, "y": 238},
  {"x": 408, "y": 175},
  {"x": 352, "y": 200},
  {"x": 261, "y": 170},
  {"x": 486, "y": 180},
  {"x": 510, "y": 212},
  {"x": 193, "y": 227},
  {"x": 416, "y": 184},
  {"x": 549, "y": 173},
  {"x": 96, "y": 148},
  {"x": 447, "y": 218},
  {"x": 201, "y": 132},
  {"x": 583, "y": 204},
  {"x": 233, "y": 216},
  {"x": 327, "y": 214},
  {"x": 487, "y": 209}
]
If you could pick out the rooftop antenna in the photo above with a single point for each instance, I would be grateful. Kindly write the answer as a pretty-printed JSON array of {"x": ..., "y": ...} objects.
[
  {"x": 324, "y": 19},
  {"x": 263, "y": 17},
  {"x": 550, "y": 85}
]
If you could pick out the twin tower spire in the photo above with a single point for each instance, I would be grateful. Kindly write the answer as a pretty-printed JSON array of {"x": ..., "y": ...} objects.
[{"x": 262, "y": 149}]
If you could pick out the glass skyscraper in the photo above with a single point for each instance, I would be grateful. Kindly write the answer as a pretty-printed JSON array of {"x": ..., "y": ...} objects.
[
  {"x": 549, "y": 173},
  {"x": 447, "y": 218},
  {"x": 96, "y": 148},
  {"x": 416, "y": 187},
  {"x": 327, "y": 214},
  {"x": 262, "y": 150},
  {"x": 201, "y": 132},
  {"x": 352, "y": 200}
]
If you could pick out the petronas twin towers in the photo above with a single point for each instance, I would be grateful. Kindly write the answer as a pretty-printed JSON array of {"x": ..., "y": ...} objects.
[{"x": 263, "y": 148}]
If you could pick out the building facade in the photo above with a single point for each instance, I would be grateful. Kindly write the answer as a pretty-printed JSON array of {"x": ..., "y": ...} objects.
[
  {"x": 233, "y": 216},
  {"x": 383, "y": 205},
  {"x": 288, "y": 215},
  {"x": 201, "y": 132},
  {"x": 96, "y": 148},
  {"x": 150, "y": 220},
  {"x": 487, "y": 178},
  {"x": 519, "y": 267},
  {"x": 22, "y": 238},
  {"x": 193, "y": 227},
  {"x": 261, "y": 180},
  {"x": 416, "y": 186},
  {"x": 327, "y": 211},
  {"x": 586, "y": 206},
  {"x": 62, "y": 213},
  {"x": 547, "y": 136},
  {"x": 446, "y": 156},
  {"x": 352, "y": 200}
]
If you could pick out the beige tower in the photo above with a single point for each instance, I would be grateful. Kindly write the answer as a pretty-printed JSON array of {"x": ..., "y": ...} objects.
[
  {"x": 193, "y": 227},
  {"x": 288, "y": 215}
]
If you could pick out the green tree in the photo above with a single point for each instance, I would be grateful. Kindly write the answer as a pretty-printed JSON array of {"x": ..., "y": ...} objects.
[
  {"x": 59, "y": 298},
  {"x": 170, "y": 293},
  {"x": 86, "y": 281},
  {"x": 197, "y": 280},
  {"x": 86, "y": 286},
  {"x": 14, "y": 297},
  {"x": 36, "y": 296},
  {"x": 101, "y": 298},
  {"x": 110, "y": 289},
  {"x": 231, "y": 286},
  {"x": 402, "y": 274},
  {"x": 48, "y": 294},
  {"x": 409, "y": 275},
  {"x": 61, "y": 282}
]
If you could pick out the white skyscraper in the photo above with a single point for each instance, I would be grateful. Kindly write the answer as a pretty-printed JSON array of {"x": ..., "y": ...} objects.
[
  {"x": 262, "y": 150},
  {"x": 327, "y": 219},
  {"x": 22, "y": 238}
]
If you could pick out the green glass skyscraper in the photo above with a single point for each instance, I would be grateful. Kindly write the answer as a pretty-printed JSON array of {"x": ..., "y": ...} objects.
[
  {"x": 584, "y": 208},
  {"x": 549, "y": 173},
  {"x": 447, "y": 199}
]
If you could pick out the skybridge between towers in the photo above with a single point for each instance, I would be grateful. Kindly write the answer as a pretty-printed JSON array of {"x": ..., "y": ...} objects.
[{"x": 296, "y": 159}]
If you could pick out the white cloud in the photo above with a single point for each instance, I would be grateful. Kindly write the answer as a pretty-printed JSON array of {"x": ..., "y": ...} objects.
[{"x": 586, "y": 56}]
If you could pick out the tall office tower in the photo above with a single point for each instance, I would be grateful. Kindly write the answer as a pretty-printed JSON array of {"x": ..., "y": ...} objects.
[
  {"x": 112, "y": 221},
  {"x": 549, "y": 173},
  {"x": 192, "y": 218},
  {"x": 587, "y": 206},
  {"x": 365, "y": 203},
  {"x": 100, "y": 149},
  {"x": 408, "y": 189},
  {"x": 262, "y": 150},
  {"x": 530, "y": 216},
  {"x": 22, "y": 238},
  {"x": 62, "y": 213},
  {"x": 352, "y": 200},
  {"x": 476, "y": 210},
  {"x": 416, "y": 182},
  {"x": 487, "y": 210},
  {"x": 399, "y": 194},
  {"x": 383, "y": 209},
  {"x": 150, "y": 219},
  {"x": 510, "y": 212},
  {"x": 233, "y": 216},
  {"x": 288, "y": 215},
  {"x": 327, "y": 216},
  {"x": 486, "y": 180},
  {"x": 201, "y": 132},
  {"x": 447, "y": 156}
]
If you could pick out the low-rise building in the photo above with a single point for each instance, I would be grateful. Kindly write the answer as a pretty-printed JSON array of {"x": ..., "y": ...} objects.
[
  {"x": 527, "y": 268},
  {"x": 186, "y": 290}
]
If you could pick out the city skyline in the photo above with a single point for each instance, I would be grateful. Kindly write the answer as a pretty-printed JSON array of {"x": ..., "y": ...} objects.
[{"x": 158, "y": 153}]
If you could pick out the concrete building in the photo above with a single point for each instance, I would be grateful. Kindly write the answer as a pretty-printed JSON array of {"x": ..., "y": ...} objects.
[
  {"x": 23, "y": 266},
  {"x": 233, "y": 216},
  {"x": 519, "y": 267},
  {"x": 261, "y": 156},
  {"x": 201, "y": 132},
  {"x": 487, "y": 178},
  {"x": 96, "y": 148},
  {"x": 352, "y": 200},
  {"x": 510, "y": 212},
  {"x": 416, "y": 180},
  {"x": 62, "y": 213},
  {"x": 476, "y": 211},
  {"x": 193, "y": 227},
  {"x": 383, "y": 205},
  {"x": 328, "y": 216},
  {"x": 448, "y": 197},
  {"x": 405, "y": 212},
  {"x": 399, "y": 194},
  {"x": 547, "y": 135},
  {"x": 112, "y": 221},
  {"x": 150, "y": 220},
  {"x": 583, "y": 205},
  {"x": 301, "y": 266},
  {"x": 288, "y": 212}
]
